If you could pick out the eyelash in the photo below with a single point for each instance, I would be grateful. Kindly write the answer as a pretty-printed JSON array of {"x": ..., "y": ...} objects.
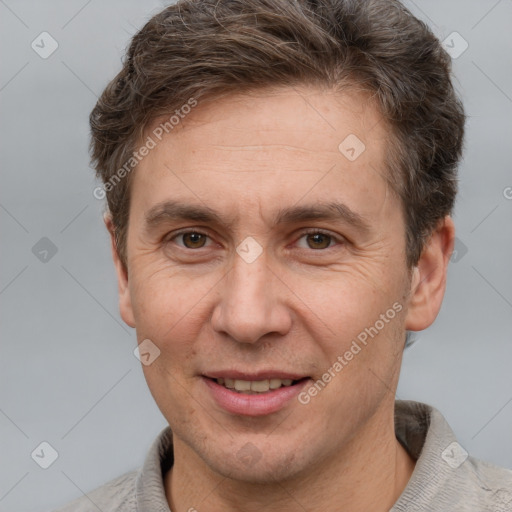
[{"x": 310, "y": 231}]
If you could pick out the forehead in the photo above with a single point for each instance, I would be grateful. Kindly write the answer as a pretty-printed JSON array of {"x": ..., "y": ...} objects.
[
  {"x": 266, "y": 147},
  {"x": 319, "y": 110}
]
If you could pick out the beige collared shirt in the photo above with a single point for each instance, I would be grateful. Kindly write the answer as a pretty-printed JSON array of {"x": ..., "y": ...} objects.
[{"x": 445, "y": 478}]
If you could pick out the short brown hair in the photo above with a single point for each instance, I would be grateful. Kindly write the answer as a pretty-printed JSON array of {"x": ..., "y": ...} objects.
[{"x": 210, "y": 48}]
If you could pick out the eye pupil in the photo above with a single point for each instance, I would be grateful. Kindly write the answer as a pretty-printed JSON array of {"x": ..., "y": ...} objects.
[
  {"x": 318, "y": 238},
  {"x": 197, "y": 239}
]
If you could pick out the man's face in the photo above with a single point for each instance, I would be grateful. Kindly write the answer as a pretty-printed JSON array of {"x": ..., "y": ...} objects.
[{"x": 267, "y": 290}]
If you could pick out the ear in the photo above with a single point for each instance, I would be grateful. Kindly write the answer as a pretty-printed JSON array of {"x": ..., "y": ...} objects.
[
  {"x": 428, "y": 282},
  {"x": 125, "y": 303}
]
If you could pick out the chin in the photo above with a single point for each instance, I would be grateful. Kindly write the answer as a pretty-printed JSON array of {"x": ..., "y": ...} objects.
[{"x": 252, "y": 465}]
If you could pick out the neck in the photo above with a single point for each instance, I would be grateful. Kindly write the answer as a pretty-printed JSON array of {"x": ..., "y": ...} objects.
[{"x": 369, "y": 474}]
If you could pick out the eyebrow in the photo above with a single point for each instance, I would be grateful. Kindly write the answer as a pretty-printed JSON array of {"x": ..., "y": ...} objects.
[{"x": 169, "y": 211}]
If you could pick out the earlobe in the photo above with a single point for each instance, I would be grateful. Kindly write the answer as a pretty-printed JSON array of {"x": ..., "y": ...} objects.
[
  {"x": 125, "y": 304},
  {"x": 428, "y": 282}
]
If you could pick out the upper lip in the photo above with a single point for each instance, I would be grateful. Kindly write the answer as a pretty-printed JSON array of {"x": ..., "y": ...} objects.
[{"x": 260, "y": 375}]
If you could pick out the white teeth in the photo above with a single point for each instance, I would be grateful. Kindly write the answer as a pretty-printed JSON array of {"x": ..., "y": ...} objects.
[
  {"x": 260, "y": 385},
  {"x": 254, "y": 386},
  {"x": 275, "y": 383},
  {"x": 242, "y": 385}
]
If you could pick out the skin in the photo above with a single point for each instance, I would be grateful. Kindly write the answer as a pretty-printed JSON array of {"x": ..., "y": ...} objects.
[{"x": 296, "y": 308}]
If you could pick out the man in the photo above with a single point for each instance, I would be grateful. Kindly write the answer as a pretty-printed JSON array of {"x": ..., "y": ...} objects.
[{"x": 280, "y": 176}]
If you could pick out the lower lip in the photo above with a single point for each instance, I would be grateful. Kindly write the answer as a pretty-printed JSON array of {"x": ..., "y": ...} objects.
[{"x": 253, "y": 405}]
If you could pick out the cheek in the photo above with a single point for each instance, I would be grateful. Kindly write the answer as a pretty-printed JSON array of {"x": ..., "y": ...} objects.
[
  {"x": 357, "y": 330},
  {"x": 360, "y": 365},
  {"x": 166, "y": 303},
  {"x": 171, "y": 394},
  {"x": 343, "y": 303}
]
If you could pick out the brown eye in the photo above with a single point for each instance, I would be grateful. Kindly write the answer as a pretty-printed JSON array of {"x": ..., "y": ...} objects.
[
  {"x": 193, "y": 240},
  {"x": 318, "y": 241}
]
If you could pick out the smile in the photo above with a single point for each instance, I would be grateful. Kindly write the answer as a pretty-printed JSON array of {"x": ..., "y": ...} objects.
[
  {"x": 254, "y": 386},
  {"x": 254, "y": 395}
]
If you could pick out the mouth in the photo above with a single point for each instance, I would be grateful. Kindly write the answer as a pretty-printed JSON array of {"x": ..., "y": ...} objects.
[
  {"x": 253, "y": 395},
  {"x": 256, "y": 387}
]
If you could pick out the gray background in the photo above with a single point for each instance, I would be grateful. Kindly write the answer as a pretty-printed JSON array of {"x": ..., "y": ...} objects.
[{"x": 68, "y": 375}]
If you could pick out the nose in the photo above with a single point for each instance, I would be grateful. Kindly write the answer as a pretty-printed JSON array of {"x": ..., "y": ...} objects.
[{"x": 251, "y": 303}]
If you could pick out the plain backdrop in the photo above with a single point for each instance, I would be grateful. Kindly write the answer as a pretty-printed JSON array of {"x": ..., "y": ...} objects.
[{"x": 68, "y": 375}]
